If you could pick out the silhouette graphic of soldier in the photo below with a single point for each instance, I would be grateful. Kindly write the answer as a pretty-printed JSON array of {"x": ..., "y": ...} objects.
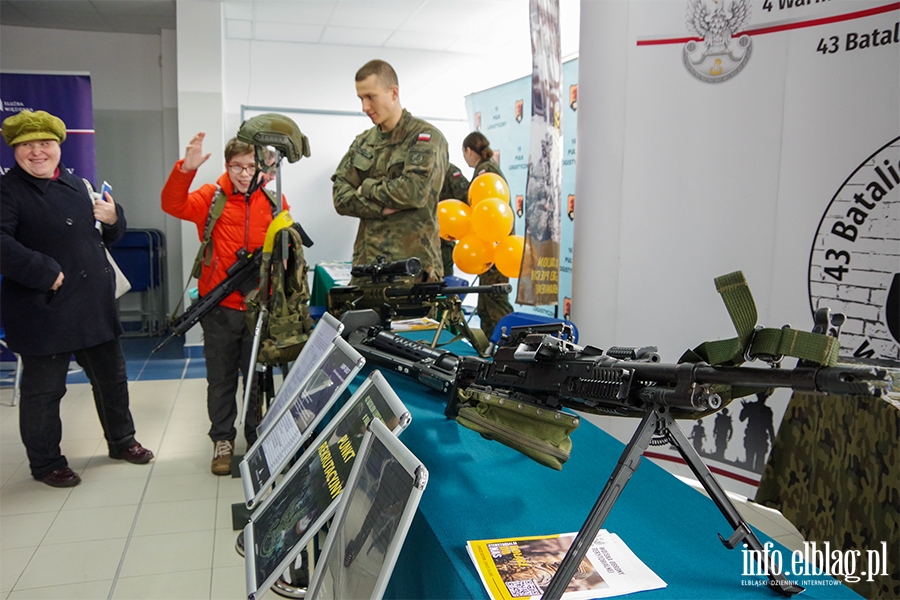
[
  {"x": 760, "y": 431},
  {"x": 722, "y": 432},
  {"x": 698, "y": 435}
]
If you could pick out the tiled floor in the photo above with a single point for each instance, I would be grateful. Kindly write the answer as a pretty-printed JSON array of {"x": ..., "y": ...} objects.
[{"x": 161, "y": 530}]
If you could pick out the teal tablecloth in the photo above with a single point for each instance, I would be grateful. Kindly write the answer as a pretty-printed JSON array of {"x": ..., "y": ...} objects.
[{"x": 325, "y": 276}]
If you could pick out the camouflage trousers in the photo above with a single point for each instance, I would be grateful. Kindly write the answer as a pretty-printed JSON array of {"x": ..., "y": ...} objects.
[
  {"x": 447, "y": 256},
  {"x": 492, "y": 308}
]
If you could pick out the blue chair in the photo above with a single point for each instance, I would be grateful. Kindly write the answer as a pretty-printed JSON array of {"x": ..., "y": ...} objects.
[
  {"x": 140, "y": 255},
  {"x": 518, "y": 319},
  {"x": 17, "y": 374},
  {"x": 453, "y": 281}
]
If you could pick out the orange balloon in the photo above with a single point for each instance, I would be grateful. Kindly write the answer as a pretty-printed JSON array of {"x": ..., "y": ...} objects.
[
  {"x": 492, "y": 219},
  {"x": 488, "y": 185},
  {"x": 454, "y": 219},
  {"x": 473, "y": 255},
  {"x": 508, "y": 255}
]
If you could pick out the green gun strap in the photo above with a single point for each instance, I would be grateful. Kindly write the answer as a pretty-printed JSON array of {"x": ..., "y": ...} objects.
[
  {"x": 742, "y": 309},
  {"x": 751, "y": 341}
]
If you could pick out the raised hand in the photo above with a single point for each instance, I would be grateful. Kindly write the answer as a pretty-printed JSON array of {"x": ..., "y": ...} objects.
[{"x": 193, "y": 154}]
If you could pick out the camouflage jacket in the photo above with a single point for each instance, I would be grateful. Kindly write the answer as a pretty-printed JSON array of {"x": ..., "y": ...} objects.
[
  {"x": 401, "y": 169},
  {"x": 488, "y": 166},
  {"x": 456, "y": 185}
]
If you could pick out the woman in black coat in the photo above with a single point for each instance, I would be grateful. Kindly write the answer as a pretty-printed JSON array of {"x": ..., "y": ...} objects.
[{"x": 58, "y": 295}]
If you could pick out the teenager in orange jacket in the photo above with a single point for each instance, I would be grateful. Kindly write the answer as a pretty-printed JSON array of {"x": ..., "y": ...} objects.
[{"x": 227, "y": 340}]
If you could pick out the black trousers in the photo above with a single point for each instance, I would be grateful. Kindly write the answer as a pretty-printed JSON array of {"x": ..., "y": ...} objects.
[
  {"x": 227, "y": 344},
  {"x": 44, "y": 385}
]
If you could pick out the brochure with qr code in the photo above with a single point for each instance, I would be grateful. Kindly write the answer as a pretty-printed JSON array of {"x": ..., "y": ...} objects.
[{"x": 523, "y": 567}]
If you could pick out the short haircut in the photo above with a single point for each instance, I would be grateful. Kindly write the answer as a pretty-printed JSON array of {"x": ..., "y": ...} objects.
[
  {"x": 236, "y": 147},
  {"x": 385, "y": 73},
  {"x": 480, "y": 144}
]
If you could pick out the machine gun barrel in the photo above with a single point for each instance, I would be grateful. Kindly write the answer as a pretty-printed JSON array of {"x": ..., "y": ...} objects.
[
  {"x": 242, "y": 276},
  {"x": 434, "y": 367}
]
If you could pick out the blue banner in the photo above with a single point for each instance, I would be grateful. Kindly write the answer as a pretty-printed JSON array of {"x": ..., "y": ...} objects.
[
  {"x": 502, "y": 114},
  {"x": 65, "y": 96}
]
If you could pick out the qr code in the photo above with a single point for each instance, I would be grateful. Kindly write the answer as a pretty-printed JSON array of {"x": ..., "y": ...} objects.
[{"x": 525, "y": 587}]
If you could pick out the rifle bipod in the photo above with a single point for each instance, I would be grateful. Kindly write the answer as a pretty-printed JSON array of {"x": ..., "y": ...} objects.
[
  {"x": 660, "y": 423},
  {"x": 453, "y": 319}
]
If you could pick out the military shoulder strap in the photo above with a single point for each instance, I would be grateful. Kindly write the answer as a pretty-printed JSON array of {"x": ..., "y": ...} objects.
[{"x": 216, "y": 208}]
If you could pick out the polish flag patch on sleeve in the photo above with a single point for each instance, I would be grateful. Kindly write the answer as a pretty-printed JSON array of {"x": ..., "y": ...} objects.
[{"x": 424, "y": 137}]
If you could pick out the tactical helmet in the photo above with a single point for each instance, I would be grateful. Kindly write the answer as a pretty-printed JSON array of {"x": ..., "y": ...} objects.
[{"x": 278, "y": 131}]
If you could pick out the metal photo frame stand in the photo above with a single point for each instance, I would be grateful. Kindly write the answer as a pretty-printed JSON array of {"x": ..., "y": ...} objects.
[
  {"x": 372, "y": 519},
  {"x": 307, "y": 496},
  {"x": 297, "y": 419}
]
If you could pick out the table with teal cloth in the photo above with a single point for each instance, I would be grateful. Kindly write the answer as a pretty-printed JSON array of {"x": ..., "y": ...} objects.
[
  {"x": 325, "y": 276},
  {"x": 479, "y": 489}
]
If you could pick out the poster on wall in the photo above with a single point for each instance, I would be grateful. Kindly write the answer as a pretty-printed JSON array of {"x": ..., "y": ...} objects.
[
  {"x": 539, "y": 278},
  {"x": 854, "y": 264},
  {"x": 757, "y": 94},
  {"x": 499, "y": 113},
  {"x": 65, "y": 95}
]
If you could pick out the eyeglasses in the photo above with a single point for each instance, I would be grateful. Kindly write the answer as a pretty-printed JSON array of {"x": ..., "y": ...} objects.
[{"x": 238, "y": 169}]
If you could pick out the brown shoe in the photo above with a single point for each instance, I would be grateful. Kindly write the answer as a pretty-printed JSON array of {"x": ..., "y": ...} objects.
[
  {"x": 136, "y": 454},
  {"x": 222, "y": 452},
  {"x": 61, "y": 478}
]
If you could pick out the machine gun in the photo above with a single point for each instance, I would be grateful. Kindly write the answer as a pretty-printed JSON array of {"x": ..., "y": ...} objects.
[
  {"x": 433, "y": 367},
  {"x": 539, "y": 365},
  {"x": 242, "y": 276},
  {"x": 392, "y": 299}
]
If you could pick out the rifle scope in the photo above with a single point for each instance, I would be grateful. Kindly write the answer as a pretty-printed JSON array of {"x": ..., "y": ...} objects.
[{"x": 381, "y": 268}]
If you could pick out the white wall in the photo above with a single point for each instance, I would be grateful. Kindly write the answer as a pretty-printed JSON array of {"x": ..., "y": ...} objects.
[
  {"x": 680, "y": 181},
  {"x": 134, "y": 121}
]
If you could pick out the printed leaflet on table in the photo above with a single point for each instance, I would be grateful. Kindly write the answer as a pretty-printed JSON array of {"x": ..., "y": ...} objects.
[{"x": 523, "y": 567}]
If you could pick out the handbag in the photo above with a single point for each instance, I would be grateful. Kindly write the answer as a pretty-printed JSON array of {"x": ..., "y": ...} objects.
[{"x": 122, "y": 283}]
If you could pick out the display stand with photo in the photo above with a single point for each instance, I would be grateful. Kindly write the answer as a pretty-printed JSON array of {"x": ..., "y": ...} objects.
[
  {"x": 308, "y": 495},
  {"x": 313, "y": 398},
  {"x": 372, "y": 519},
  {"x": 326, "y": 330}
]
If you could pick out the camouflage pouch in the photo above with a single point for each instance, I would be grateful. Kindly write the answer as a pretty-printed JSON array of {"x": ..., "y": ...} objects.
[
  {"x": 538, "y": 433},
  {"x": 288, "y": 324}
]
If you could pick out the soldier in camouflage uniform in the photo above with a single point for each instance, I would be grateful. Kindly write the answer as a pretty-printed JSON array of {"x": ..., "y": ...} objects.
[
  {"x": 491, "y": 308},
  {"x": 456, "y": 186},
  {"x": 391, "y": 178}
]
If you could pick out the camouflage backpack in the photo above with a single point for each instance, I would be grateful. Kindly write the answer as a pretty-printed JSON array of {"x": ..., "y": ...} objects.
[{"x": 288, "y": 325}]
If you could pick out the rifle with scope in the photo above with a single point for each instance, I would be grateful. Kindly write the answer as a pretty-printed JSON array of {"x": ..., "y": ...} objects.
[
  {"x": 242, "y": 276},
  {"x": 401, "y": 299}
]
